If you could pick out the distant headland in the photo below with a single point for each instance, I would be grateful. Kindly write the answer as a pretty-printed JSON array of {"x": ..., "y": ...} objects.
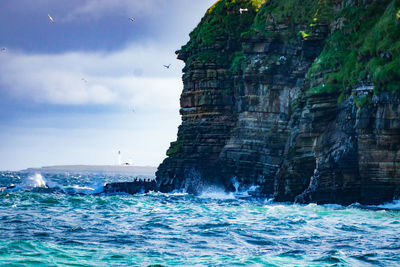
[{"x": 148, "y": 171}]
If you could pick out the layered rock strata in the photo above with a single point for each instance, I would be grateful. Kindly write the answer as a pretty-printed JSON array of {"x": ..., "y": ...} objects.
[
  {"x": 343, "y": 154},
  {"x": 207, "y": 101},
  {"x": 263, "y": 93}
]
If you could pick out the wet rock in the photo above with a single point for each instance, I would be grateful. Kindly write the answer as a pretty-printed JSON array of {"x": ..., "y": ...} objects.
[{"x": 134, "y": 187}]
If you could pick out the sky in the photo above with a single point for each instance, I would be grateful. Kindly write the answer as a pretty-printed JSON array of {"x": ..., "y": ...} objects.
[{"x": 93, "y": 82}]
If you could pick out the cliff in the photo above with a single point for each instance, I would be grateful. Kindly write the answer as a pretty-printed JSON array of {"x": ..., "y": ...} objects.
[{"x": 299, "y": 99}]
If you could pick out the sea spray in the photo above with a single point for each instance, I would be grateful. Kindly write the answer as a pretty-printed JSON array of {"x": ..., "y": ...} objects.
[
  {"x": 395, "y": 205},
  {"x": 37, "y": 181},
  {"x": 29, "y": 183},
  {"x": 34, "y": 181},
  {"x": 95, "y": 188},
  {"x": 215, "y": 192}
]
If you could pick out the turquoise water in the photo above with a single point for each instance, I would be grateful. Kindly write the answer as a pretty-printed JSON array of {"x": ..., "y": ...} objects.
[{"x": 52, "y": 228}]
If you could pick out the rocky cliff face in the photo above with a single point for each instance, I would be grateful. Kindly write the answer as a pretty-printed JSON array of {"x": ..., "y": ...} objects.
[
  {"x": 299, "y": 100},
  {"x": 343, "y": 154}
]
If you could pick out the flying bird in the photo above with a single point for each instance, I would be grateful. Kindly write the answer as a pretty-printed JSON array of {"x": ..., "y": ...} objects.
[
  {"x": 50, "y": 18},
  {"x": 132, "y": 19},
  {"x": 167, "y": 66},
  {"x": 241, "y": 10},
  {"x": 3, "y": 49},
  {"x": 83, "y": 79}
]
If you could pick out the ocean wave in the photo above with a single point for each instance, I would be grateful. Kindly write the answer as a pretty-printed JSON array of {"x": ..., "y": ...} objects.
[
  {"x": 394, "y": 205},
  {"x": 214, "y": 229},
  {"x": 39, "y": 183},
  {"x": 95, "y": 188},
  {"x": 36, "y": 182},
  {"x": 32, "y": 181},
  {"x": 214, "y": 192}
]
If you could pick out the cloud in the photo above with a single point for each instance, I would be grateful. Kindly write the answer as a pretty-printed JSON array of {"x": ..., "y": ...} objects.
[
  {"x": 49, "y": 115},
  {"x": 70, "y": 121},
  {"x": 132, "y": 76},
  {"x": 97, "y": 24},
  {"x": 56, "y": 87},
  {"x": 95, "y": 9}
]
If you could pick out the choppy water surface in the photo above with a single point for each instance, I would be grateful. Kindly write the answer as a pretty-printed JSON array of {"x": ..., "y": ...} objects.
[{"x": 42, "y": 228}]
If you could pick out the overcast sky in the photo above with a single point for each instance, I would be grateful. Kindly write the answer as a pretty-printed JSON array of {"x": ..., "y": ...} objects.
[{"x": 78, "y": 90}]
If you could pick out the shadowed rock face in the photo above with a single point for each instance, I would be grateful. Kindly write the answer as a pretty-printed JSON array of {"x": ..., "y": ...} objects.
[
  {"x": 378, "y": 132},
  {"x": 354, "y": 150},
  {"x": 251, "y": 118}
]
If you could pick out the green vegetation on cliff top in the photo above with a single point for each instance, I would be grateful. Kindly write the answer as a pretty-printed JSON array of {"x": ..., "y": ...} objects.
[
  {"x": 222, "y": 26},
  {"x": 293, "y": 14},
  {"x": 365, "y": 48}
]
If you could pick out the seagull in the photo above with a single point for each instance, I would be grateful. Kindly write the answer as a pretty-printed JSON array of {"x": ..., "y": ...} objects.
[
  {"x": 167, "y": 66},
  {"x": 50, "y": 18},
  {"x": 132, "y": 19},
  {"x": 83, "y": 79},
  {"x": 241, "y": 10}
]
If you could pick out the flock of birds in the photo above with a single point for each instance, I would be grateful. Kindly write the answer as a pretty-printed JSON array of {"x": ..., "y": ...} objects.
[{"x": 132, "y": 19}]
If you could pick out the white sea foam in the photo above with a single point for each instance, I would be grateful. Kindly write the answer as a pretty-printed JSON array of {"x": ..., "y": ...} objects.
[
  {"x": 214, "y": 192},
  {"x": 269, "y": 201},
  {"x": 95, "y": 188},
  {"x": 333, "y": 206},
  {"x": 244, "y": 191},
  {"x": 241, "y": 191},
  {"x": 38, "y": 181},
  {"x": 178, "y": 193},
  {"x": 76, "y": 189},
  {"x": 395, "y": 205},
  {"x": 236, "y": 184},
  {"x": 34, "y": 181}
]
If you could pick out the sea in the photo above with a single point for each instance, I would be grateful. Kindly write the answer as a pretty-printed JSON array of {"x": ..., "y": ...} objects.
[{"x": 64, "y": 219}]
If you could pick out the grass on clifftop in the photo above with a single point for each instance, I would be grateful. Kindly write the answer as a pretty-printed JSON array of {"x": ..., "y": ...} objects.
[
  {"x": 222, "y": 24},
  {"x": 291, "y": 13},
  {"x": 364, "y": 46},
  {"x": 365, "y": 49},
  {"x": 221, "y": 21}
]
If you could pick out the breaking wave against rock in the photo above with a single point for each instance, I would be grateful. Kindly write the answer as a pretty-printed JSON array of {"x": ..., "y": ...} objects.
[
  {"x": 33, "y": 181},
  {"x": 37, "y": 182},
  {"x": 395, "y": 205}
]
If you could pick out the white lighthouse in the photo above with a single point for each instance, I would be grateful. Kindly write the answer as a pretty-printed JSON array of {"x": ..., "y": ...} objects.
[{"x": 119, "y": 158}]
